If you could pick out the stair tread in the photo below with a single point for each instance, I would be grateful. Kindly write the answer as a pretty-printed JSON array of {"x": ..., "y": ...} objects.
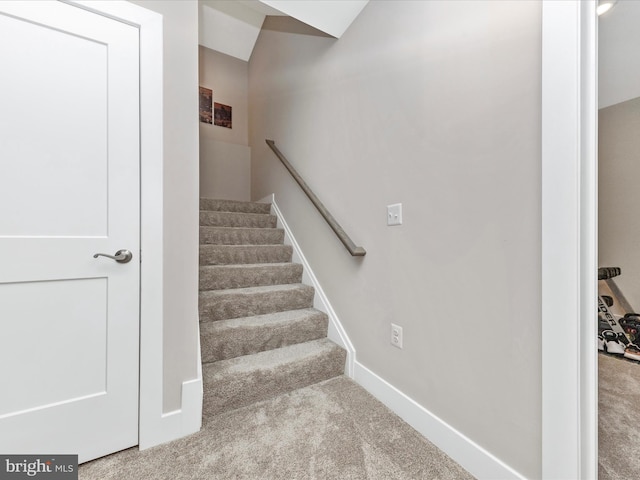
[
  {"x": 261, "y": 320},
  {"x": 236, "y": 214},
  {"x": 239, "y": 275},
  {"x": 249, "y": 266},
  {"x": 213, "y": 204},
  {"x": 244, "y": 254},
  {"x": 217, "y": 235},
  {"x": 269, "y": 359},
  {"x": 248, "y": 247},
  {"x": 216, "y": 305},
  {"x": 254, "y": 290},
  {"x": 240, "y": 381},
  {"x": 231, "y": 229},
  {"x": 236, "y": 219},
  {"x": 236, "y": 337}
]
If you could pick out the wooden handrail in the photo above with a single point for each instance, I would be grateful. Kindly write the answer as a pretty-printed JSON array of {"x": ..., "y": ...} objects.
[{"x": 354, "y": 250}]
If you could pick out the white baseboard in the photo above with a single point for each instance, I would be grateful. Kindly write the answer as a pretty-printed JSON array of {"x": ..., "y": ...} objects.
[
  {"x": 473, "y": 458},
  {"x": 182, "y": 422},
  {"x": 336, "y": 332},
  {"x": 178, "y": 423}
]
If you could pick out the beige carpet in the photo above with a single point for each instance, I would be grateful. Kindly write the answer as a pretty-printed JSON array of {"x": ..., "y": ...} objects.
[
  {"x": 619, "y": 413},
  {"x": 330, "y": 430}
]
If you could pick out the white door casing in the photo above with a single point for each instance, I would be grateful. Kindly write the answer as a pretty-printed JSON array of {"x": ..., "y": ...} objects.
[
  {"x": 569, "y": 240},
  {"x": 69, "y": 188}
]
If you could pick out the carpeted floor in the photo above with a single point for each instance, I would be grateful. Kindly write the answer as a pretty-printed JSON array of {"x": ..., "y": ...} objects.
[
  {"x": 330, "y": 430},
  {"x": 618, "y": 425}
]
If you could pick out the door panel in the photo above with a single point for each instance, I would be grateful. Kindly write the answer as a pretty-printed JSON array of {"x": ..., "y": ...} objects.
[
  {"x": 69, "y": 188},
  {"x": 49, "y": 370},
  {"x": 62, "y": 91}
]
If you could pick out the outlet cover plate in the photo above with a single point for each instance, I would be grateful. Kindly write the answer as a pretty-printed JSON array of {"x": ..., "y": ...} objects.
[{"x": 396, "y": 335}]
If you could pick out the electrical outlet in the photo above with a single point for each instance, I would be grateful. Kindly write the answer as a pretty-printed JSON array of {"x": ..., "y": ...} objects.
[
  {"x": 394, "y": 214},
  {"x": 396, "y": 335}
]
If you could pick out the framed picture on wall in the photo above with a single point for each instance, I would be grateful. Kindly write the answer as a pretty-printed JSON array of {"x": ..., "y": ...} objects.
[
  {"x": 206, "y": 97},
  {"x": 222, "y": 115}
]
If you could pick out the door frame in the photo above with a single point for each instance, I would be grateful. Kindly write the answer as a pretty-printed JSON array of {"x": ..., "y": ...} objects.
[
  {"x": 155, "y": 426},
  {"x": 569, "y": 239}
]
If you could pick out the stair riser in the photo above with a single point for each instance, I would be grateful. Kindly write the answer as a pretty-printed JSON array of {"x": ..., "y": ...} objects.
[
  {"x": 241, "y": 236},
  {"x": 234, "y": 206},
  {"x": 225, "y": 343},
  {"x": 224, "y": 391},
  {"x": 227, "y": 219},
  {"x": 230, "y": 276},
  {"x": 231, "y": 254},
  {"x": 239, "y": 305}
]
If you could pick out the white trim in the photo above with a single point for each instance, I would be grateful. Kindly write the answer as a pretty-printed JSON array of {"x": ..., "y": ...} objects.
[
  {"x": 569, "y": 242},
  {"x": 154, "y": 426},
  {"x": 183, "y": 421},
  {"x": 178, "y": 423},
  {"x": 472, "y": 457},
  {"x": 336, "y": 333}
]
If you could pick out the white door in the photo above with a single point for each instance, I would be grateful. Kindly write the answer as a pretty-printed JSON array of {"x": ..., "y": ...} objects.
[{"x": 69, "y": 188}]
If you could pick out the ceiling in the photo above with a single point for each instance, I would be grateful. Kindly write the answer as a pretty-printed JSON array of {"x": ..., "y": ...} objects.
[
  {"x": 619, "y": 53},
  {"x": 232, "y": 27}
]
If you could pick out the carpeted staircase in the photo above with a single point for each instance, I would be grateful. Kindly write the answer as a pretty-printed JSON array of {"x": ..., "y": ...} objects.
[{"x": 260, "y": 334}]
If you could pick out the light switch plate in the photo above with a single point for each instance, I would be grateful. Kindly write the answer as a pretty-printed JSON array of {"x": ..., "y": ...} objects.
[
  {"x": 396, "y": 335},
  {"x": 394, "y": 214}
]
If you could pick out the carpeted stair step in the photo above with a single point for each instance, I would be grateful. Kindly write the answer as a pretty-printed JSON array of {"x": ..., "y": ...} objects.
[
  {"x": 234, "y": 383},
  {"x": 244, "y": 336},
  {"x": 233, "y": 219},
  {"x": 245, "y": 302},
  {"x": 234, "y": 206},
  {"x": 220, "y": 277},
  {"x": 244, "y": 254},
  {"x": 241, "y": 236}
]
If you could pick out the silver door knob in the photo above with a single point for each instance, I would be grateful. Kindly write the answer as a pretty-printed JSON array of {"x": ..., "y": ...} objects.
[{"x": 121, "y": 256}]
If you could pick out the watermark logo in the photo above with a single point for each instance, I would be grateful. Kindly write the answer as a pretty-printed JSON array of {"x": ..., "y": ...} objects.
[{"x": 49, "y": 467}]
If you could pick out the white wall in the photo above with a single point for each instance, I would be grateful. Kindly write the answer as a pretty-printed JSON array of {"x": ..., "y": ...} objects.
[
  {"x": 180, "y": 204},
  {"x": 225, "y": 157},
  {"x": 618, "y": 60},
  {"x": 435, "y": 105},
  {"x": 619, "y": 204}
]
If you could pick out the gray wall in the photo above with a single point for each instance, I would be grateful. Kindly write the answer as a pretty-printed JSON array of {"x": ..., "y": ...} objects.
[
  {"x": 618, "y": 202},
  {"x": 180, "y": 206},
  {"x": 436, "y": 105},
  {"x": 225, "y": 157}
]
